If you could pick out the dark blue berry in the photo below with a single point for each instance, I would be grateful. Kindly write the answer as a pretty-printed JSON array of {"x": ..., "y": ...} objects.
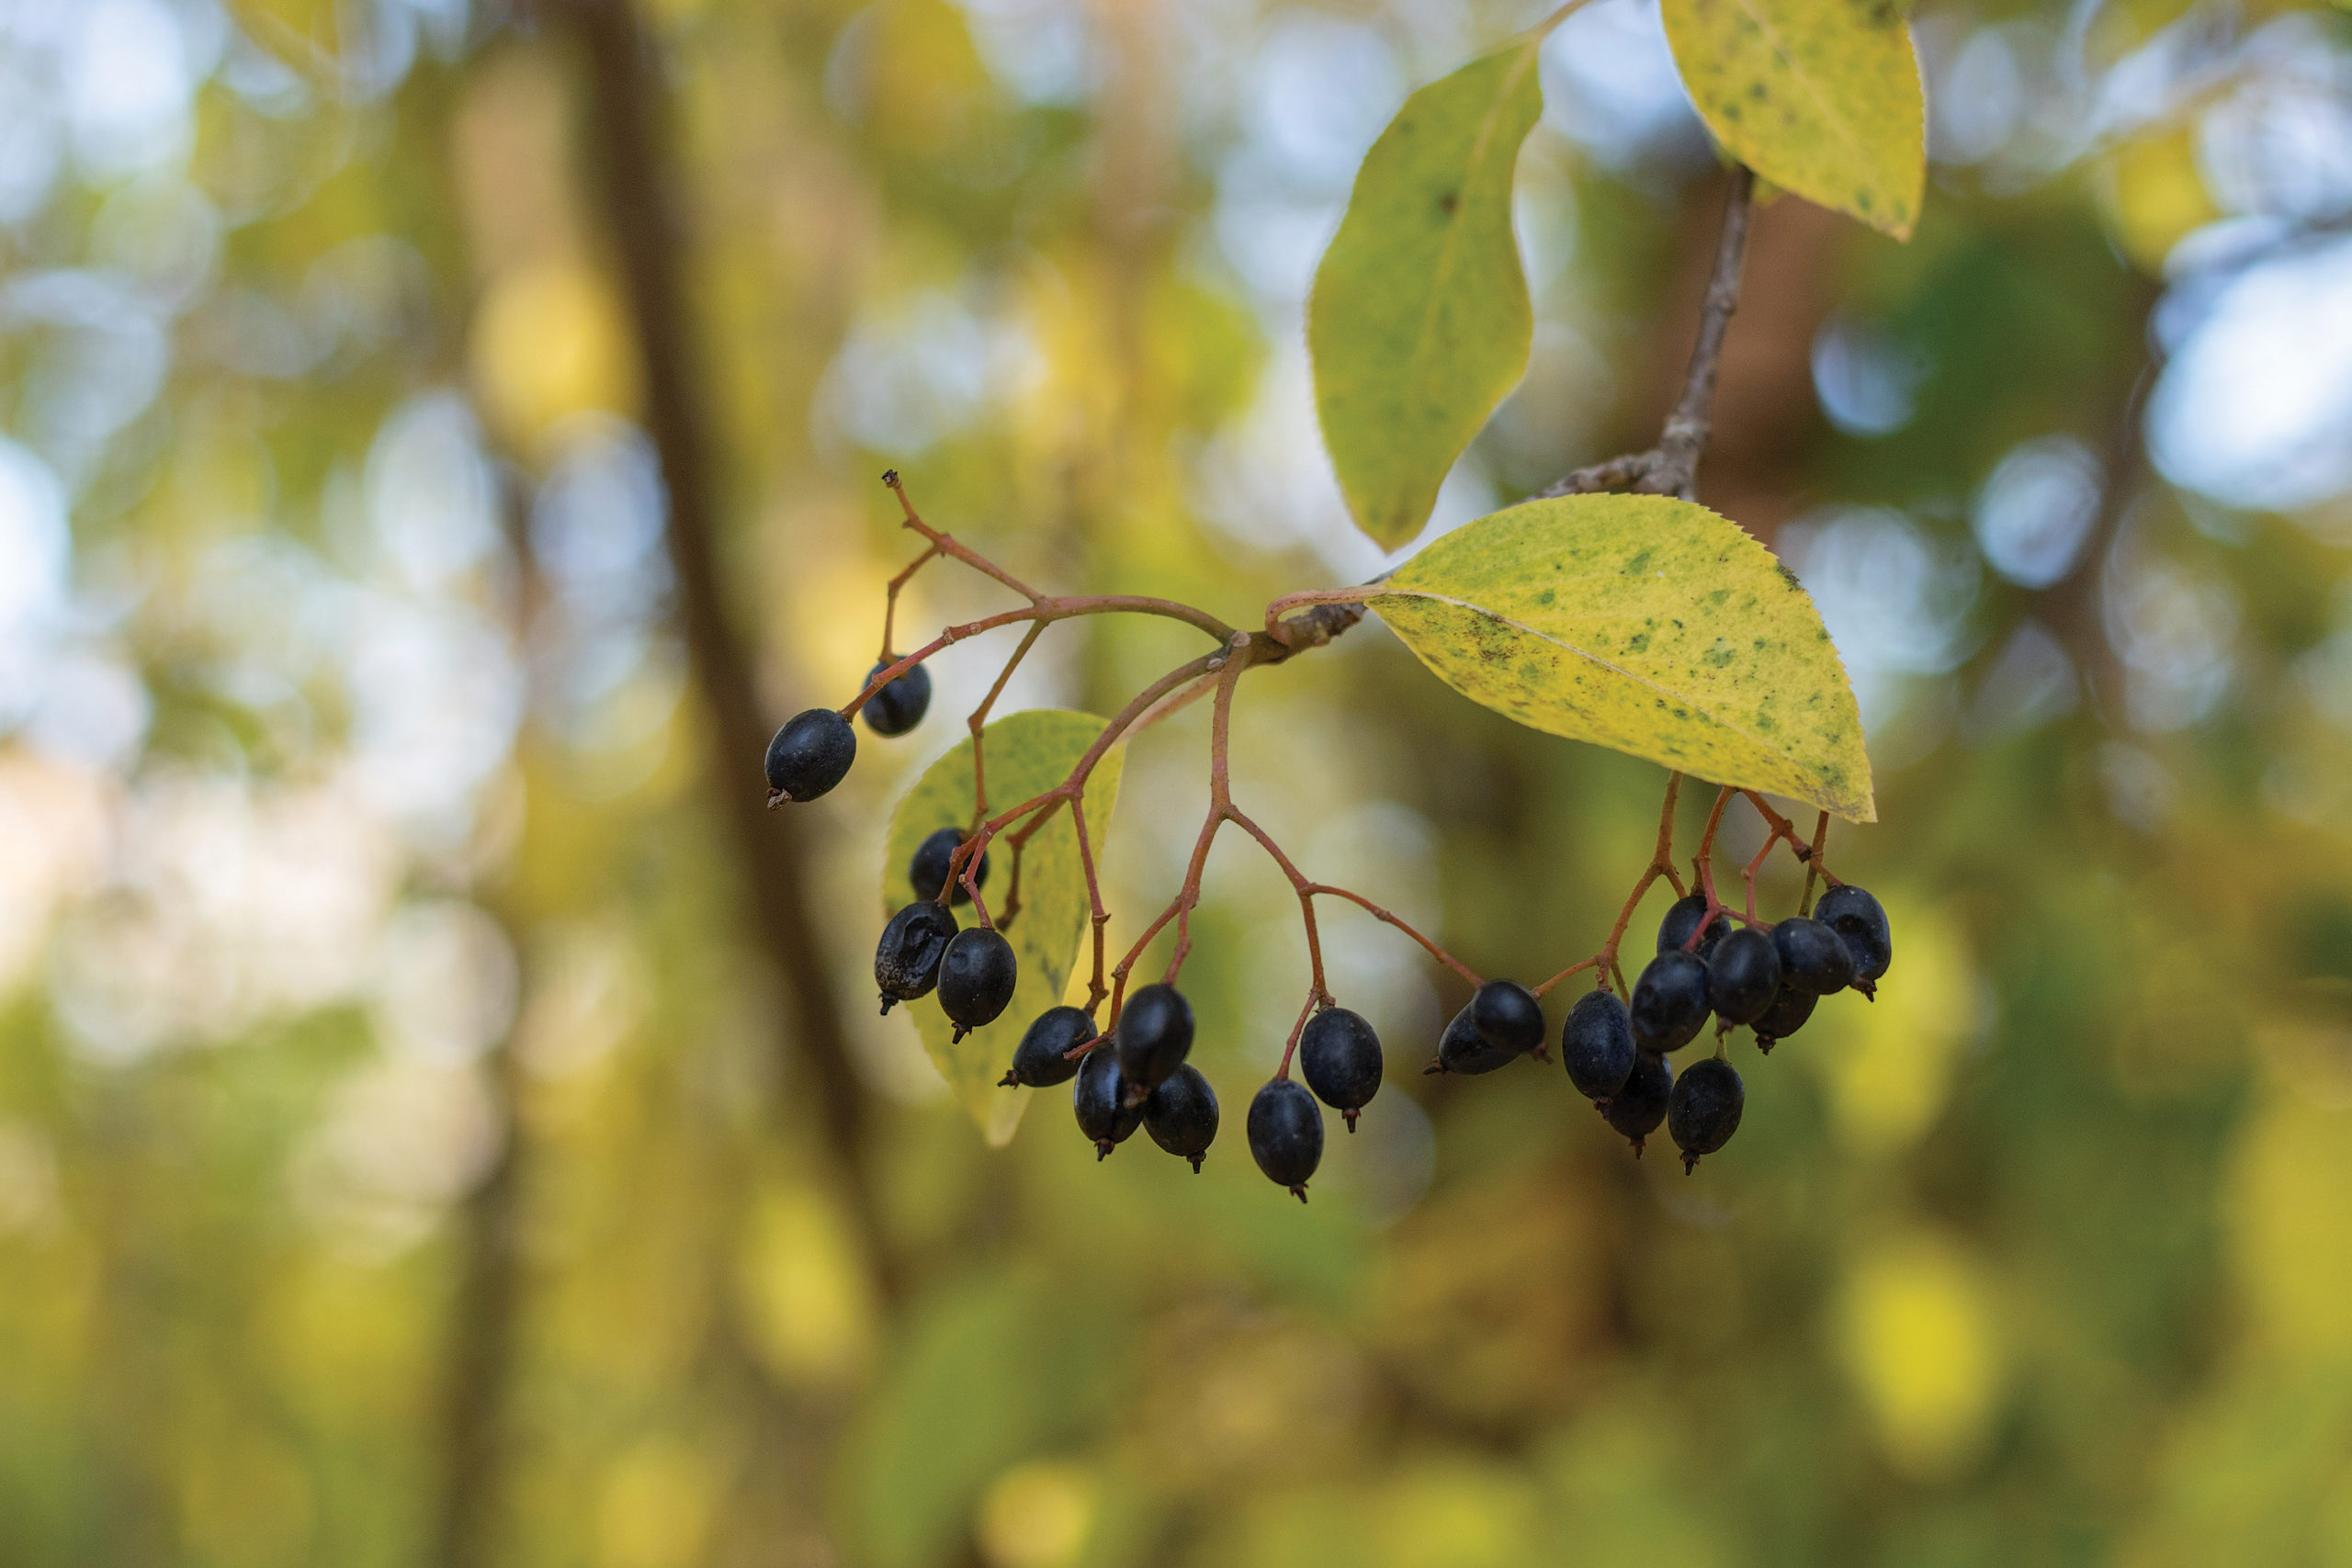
[
  {"x": 1100, "y": 1098},
  {"x": 1153, "y": 1037},
  {"x": 899, "y": 707},
  {"x": 1813, "y": 957},
  {"x": 1743, "y": 976},
  {"x": 1508, "y": 1016},
  {"x": 1670, "y": 1005},
  {"x": 1181, "y": 1114},
  {"x": 928, "y": 872},
  {"x": 1635, "y": 1110},
  {"x": 1704, "y": 1112},
  {"x": 1596, "y": 1043},
  {"x": 1674, "y": 931},
  {"x": 1784, "y": 1017},
  {"x": 1042, "y": 1055},
  {"x": 906, "y": 961},
  {"x": 1461, "y": 1049},
  {"x": 809, "y": 755},
  {"x": 1339, "y": 1056},
  {"x": 976, "y": 978},
  {"x": 1855, "y": 917},
  {"x": 1286, "y": 1135}
]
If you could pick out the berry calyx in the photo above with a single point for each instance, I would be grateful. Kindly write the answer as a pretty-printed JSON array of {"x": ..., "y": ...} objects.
[
  {"x": 1703, "y": 1110},
  {"x": 1674, "y": 931},
  {"x": 1857, "y": 918},
  {"x": 1596, "y": 1043},
  {"x": 1286, "y": 1135},
  {"x": 1339, "y": 1056},
  {"x": 1043, "y": 1056},
  {"x": 809, "y": 755},
  {"x": 1669, "y": 1003},
  {"x": 976, "y": 978},
  {"x": 1099, "y": 1098},
  {"x": 1743, "y": 976},
  {"x": 907, "y": 959},
  {"x": 1635, "y": 1110},
  {"x": 927, "y": 872},
  {"x": 1461, "y": 1049},
  {"x": 1784, "y": 1017},
  {"x": 1181, "y": 1114},
  {"x": 1153, "y": 1037},
  {"x": 1814, "y": 957},
  {"x": 899, "y": 707},
  {"x": 1508, "y": 1016}
]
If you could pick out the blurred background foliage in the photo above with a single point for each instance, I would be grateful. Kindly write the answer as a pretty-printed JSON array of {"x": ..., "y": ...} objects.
[{"x": 439, "y": 1122}]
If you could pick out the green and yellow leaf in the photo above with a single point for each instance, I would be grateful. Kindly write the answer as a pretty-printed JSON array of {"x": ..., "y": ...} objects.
[
  {"x": 1819, "y": 97},
  {"x": 1420, "y": 320},
  {"x": 1646, "y": 624},
  {"x": 1028, "y": 753}
]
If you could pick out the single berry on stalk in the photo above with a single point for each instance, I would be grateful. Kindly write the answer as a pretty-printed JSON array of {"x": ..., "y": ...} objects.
[
  {"x": 1743, "y": 976},
  {"x": 1508, "y": 1016},
  {"x": 1596, "y": 1043},
  {"x": 809, "y": 755},
  {"x": 1635, "y": 1110},
  {"x": 1670, "y": 1005},
  {"x": 928, "y": 871},
  {"x": 899, "y": 707},
  {"x": 1813, "y": 958},
  {"x": 1042, "y": 1055},
  {"x": 1784, "y": 1017},
  {"x": 976, "y": 978},
  {"x": 1286, "y": 1135},
  {"x": 1674, "y": 931},
  {"x": 1857, "y": 918},
  {"x": 1339, "y": 1056},
  {"x": 1181, "y": 1114},
  {"x": 1153, "y": 1036},
  {"x": 1461, "y": 1049},
  {"x": 1099, "y": 1098},
  {"x": 1703, "y": 1110},
  {"x": 906, "y": 961}
]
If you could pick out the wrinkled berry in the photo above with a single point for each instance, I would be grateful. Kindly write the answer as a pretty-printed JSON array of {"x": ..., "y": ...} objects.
[
  {"x": 1670, "y": 1005},
  {"x": 809, "y": 755},
  {"x": 1339, "y": 1056},
  {"x": 1704, "y": 1112},
  {"x": 1674, "y": 931},
  {"x": 899, "y": 707},
  {"x": 1784, "y": 1017},
  {"x": 1508, "y": 1016},
  {"x": 1855, "y": 916},
  {"x": 1743, "y": 976},
  {"x": 928, "y": 872},
  {"x": 1637, "y": 1108},
  {"x": 1181, "y": 1114},
  {"x": 1042, "y": 1055},
  {"x": 1286, "y": 1135},
  {"x": 1153, "y": 1037},
  {"x": 1813, "y": 957},
  {"x": 1461, "y": 1049},
  {"x": 1596, "y": 1043},
  {"x": 1099, "y": 1100},
  {"x": 906, "y": 961},
  {"x": 976, "y": 978}
]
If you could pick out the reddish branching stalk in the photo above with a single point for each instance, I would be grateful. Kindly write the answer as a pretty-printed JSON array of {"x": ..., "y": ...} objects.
[{"x": 1661, "y": 864}]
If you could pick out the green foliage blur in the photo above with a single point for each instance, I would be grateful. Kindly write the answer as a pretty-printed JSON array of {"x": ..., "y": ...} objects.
[{"x": 406, "y": 1154}]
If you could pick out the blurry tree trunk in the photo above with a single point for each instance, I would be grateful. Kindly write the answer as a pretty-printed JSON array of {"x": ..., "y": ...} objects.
[
  {"x": 636, "y": 182},
  {"x": 481, "y": 1338}
]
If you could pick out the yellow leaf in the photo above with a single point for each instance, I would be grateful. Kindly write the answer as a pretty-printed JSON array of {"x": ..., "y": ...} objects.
[
  {"x": 1646, "y": 624},
  {"x": 1420, "y": 320},
  {"x": 1028, "y": 753},
  {"x": 1820, "y": 96}
]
